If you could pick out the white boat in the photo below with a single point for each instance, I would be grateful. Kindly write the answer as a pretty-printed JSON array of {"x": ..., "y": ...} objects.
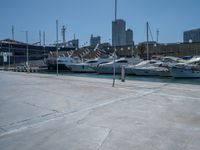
[
  {"x": 186, "y": 71},
  {"x": 107, "y": 68},
  {"x": 163, "y": 72},
  {"x": 88, "y": 66},
  {"x": 143, "y": 68},
  {"x": 62, "y": 61},
  {"x": 190, "y": 69},
  {"x": 154, "y": 67},
  {"x": 167, "y": 63}
]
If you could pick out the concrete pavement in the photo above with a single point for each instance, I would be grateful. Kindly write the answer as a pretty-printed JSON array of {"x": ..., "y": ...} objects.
[{"x": 46, "y": 112}]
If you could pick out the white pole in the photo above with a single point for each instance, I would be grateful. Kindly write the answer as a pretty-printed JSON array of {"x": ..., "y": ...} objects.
[
  {"x": 44, "y": 43},
  {"x": 13, "y": 36},
  {"x": 57, "y": 47},
  {"x": 114, "y": 47},
  {"x": 147, "y": 41},
  {"x": 27, "y": 59},
  {"x": 9, "y": 57}
]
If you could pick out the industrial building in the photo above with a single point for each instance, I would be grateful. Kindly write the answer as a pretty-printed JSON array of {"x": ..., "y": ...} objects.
[{"x": 17, "y": 51}]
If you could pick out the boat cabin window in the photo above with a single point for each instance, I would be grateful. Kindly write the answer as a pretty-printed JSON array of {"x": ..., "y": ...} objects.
[
  {"x": 122, "y": 61},
  {"x": 152, "y": 62},
  {"x": 92, "y": 61}
]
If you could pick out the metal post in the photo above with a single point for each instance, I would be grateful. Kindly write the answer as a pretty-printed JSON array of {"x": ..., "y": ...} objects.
[
  {"x": 147, "y": 41},
  {"x": 123, "y": 73},
  {"x": 114, "y": 67},
  {"x": 57, "y": 47},
  {"x": 115, "y": 10},
  {"x": 114, "y": 47},
  {"x": 13, "y": 37}
]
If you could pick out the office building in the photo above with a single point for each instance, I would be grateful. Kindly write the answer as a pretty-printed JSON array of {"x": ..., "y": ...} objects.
[
  {"x": 119, "y": 32},
  {"x": 129, "y": 37},
  {"x": 191, "y": 36},
  {"x": 95, "y": 40}
]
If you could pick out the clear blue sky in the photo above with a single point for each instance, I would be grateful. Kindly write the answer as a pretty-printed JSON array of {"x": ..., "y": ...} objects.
[{"x": 86, "y": 17}]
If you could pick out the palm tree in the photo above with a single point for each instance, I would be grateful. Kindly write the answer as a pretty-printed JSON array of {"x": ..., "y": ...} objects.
[{"x": 141, "y": 48}]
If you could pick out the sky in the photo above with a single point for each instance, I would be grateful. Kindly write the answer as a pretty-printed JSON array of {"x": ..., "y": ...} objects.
[{"x": 86, "y": 17}]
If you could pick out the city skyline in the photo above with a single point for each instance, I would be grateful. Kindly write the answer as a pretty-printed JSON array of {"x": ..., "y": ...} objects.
[{"x": 95, "y": 17}]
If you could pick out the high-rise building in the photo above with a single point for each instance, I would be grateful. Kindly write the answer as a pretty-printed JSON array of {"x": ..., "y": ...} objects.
[
  {"x": 129, "y": 37},
  {"x": 95, "y": 40},
  {"x": 119, "y": 32},
  {"x": 191, "y": 36}
]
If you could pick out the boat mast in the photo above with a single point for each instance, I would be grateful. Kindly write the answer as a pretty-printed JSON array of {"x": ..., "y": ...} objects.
[
  {"x": 13, "y": 32},
  {"x": 157, "y": 34}
]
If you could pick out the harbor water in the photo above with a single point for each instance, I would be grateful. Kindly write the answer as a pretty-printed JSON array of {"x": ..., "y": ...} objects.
[{"x": 195, "y": 81}]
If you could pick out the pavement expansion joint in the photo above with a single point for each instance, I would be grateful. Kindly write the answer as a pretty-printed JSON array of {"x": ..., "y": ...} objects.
[{"x": 104, "y": 139}]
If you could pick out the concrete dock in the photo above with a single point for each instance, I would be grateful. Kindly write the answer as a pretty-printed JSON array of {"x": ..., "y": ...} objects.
[{"x": 49, "y": 112}]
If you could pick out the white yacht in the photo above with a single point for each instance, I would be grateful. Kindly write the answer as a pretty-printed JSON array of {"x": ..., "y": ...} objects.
[
  {"x": 143, "y": 68},
  {"x": 153, "y": 67},
  {"x": 62, "y": 61},
  {"x": 166, "y": 64},
  {"x": 187, "y": 70},
  {"x": 107, "y": 68},
  {"x": 88, "y": 66}
]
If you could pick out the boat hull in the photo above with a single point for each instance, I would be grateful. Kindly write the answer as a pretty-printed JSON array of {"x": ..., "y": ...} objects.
[
  {"x": 144, "y": 72},
  {"x": 129, "y": 71},
  {"x": 81, "y": 68},
  {"x": 108, "y": 70},
  {"x": 185, "y": 73}
]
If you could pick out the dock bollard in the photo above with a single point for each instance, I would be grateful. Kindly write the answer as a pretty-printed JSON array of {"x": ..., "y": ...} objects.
[{"x": 123, "y": 73}]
